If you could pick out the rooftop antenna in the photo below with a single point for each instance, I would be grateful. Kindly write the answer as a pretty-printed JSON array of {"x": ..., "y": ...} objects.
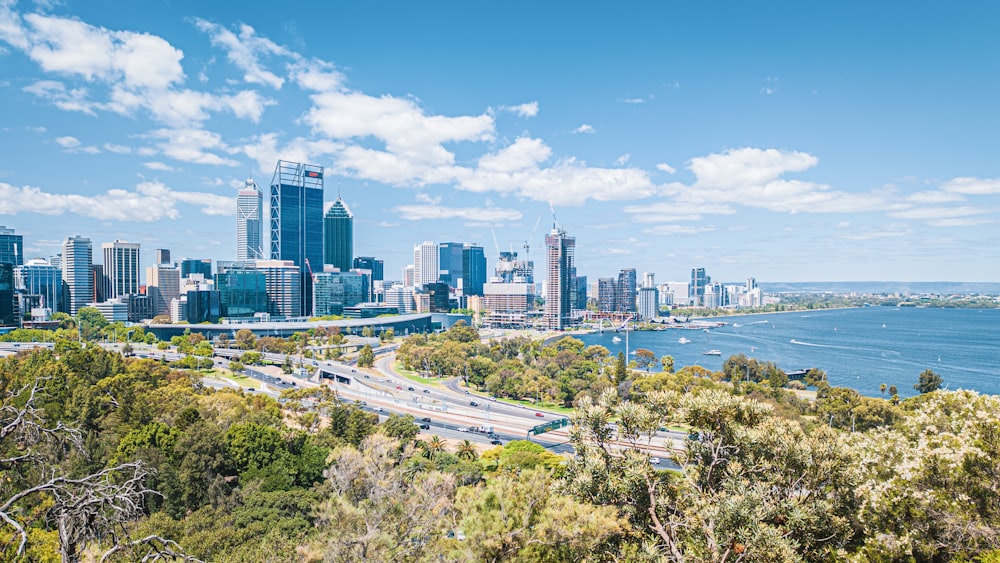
[{"x": 338, "y": 188}]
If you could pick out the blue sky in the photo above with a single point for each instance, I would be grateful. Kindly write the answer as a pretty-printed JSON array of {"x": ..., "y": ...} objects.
[{"x": 787, "y": 141}]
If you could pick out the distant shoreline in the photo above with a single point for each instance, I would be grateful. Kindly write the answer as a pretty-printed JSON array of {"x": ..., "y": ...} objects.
[{"x": 757, "y": 313}]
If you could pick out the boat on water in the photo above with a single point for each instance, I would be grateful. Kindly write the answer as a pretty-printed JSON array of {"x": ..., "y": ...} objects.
[
  {"x": 616, "y": 340},
  {"x": 712, "y": 353},
  {"x": 683, "y": 340},
  {"x": 737, "y": 325}
]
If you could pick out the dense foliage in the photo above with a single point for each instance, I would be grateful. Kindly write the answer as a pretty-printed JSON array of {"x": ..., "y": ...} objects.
[{"x": 104, "y": 454}]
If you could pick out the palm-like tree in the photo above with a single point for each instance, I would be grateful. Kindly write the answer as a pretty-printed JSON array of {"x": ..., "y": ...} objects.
[
  {"x": 882, "y": 388},
  {"x": 433, "y": 446},
  {"x": 467, "y": 450}
]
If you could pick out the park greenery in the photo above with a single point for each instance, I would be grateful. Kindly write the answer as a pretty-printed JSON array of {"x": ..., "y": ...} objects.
[{"x": 116, "y": 458}]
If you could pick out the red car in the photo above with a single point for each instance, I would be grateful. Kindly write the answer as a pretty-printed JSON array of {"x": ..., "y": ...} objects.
[
  {"x": 400, "y": 387},
  {"x": 539, "y": 414}
]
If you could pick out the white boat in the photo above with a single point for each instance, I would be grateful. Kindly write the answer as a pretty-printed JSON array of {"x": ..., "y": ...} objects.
[
  {"x": 683, "y": 340},
  {"x": 616, "y": 340},
  {"x": 713, "y": 353},
  {"x": 737, "y": 325}
]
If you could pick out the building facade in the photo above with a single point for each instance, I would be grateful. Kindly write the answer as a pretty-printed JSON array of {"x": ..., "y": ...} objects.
[
  {"x": 560, "y": 286},
  {"x": 626, "y": 290},
  {"x": 283, "y": 283},
  {"x": 11, "y": 246},
  {"x": 242, "y": 290},
  {"x": 473, "y": 269},
  {"x": 333, "y": 291},
  {"x": 77, "y": 273},
  {"x": 425, "y": 263},
  {"x": 297, "y": 223},
  {"x": 696, "y": 290},
  {"x": 338, "y": 236},
  {"x": 42, "y": 282},
  {"x": 163, "y": 285},
  {"x": 249, "y": 222},
  {"x": 121, "y": 268},
  {"x": 192, "y": 266}
]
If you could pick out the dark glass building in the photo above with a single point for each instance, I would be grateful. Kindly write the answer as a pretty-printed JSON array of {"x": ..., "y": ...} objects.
[
  {"x": 242, "y": 291},
  {"x": 297, "y": 222},
  {"x": 374, "y": 265},
  {"x": 450, "y": 263},
  {"x": 473, "y": 269},
  {"x": 201, "y": 266},
  {"x": 8, "y": 312},
  {"x": 11, "y": 246},
  {"x": 338, "y": 236}
]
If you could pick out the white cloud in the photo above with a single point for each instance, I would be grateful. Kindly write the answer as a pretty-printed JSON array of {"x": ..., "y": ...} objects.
[
  {"x": 960, "y": 222},
  {"x": 623, "y": 159},
  {"x": 585, "y": 128},
  {"x": 192, "y": 145},
  {"x": 245, "y": 51},
  {"x": 479, "y": 214},
  {"x": 888, "y": 231},
  {"x": 67, "y": 142},
  {"x": 117, "y": 149},
  {"x": 529, "y": 109},
  {"x": 678, "y": 230},
  {"x": 938, "y": 213},
  {"x": 934, "y": 197},
  {"x": 151, "y": 201},
  {"x": 315, "y": 75},
  {"x": 264, "y": 150},
  {"x": 664, "y": 167},
  {"x": 158, "y": 166},
  {"x": 133, "y": 70},
  {"x": 425, "y": 198},
  {"x": 671, "y": 212},
  {"x": 634, "y": 101},
  {"x": 973, "y": 186}
]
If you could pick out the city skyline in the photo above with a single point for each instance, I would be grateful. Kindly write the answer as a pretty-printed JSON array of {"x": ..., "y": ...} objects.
[{"x": 755, "y": 140}]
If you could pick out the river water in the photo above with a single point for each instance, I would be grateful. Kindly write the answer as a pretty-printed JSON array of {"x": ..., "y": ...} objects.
[{"x": 859, "y": 348}]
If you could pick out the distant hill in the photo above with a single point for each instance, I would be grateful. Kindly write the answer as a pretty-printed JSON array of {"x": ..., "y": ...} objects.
[{"x": 942, "y": 287}]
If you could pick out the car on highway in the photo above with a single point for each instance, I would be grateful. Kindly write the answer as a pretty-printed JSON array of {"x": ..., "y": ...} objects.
[
  {"x": 655, "y": 461},
  {"x": 496, "y": 443},
  {"x": 462, "y": 429},
  {"x": 410, "y": 388},
  {"x": 379, "y": 409},
  {"x": 427, "y": 391},
  {"x": 399, "y": 387},
  {"x": 474, "y": 403},
  {"x": 425, "y": 426},
  {"x": 539, "y": 414},
  {"x": 425, "y": 419}
]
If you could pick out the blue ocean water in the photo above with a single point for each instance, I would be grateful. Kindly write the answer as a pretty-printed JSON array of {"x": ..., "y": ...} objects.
[{"x": 859, "y": 348}]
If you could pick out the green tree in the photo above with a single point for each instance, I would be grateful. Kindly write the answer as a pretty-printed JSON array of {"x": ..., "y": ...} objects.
[
  {"x": 644, "y": 359},
  {"x": 929, "y": 381},
  {"x": 668, "y": 363},
  {"x": 366, "y": 358},
  {"x": 245, "y": 339},
  {"x": 91, "y": 321},
  {"x": 621, "y": 368},
  {"x": 401, "y": 428}
]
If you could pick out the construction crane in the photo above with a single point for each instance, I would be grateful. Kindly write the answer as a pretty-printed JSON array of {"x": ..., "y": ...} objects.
[{"x": 527, "y": 246}]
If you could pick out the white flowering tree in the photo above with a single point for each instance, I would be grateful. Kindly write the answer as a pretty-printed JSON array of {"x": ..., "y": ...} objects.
[
  {"x": 750, "y": 486},
  {"x": 930, "y": 484}
]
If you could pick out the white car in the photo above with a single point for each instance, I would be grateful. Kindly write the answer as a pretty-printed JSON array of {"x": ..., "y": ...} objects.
[
  {"x": 463, "y": 429},
  {"x": 655, "y": 461}
]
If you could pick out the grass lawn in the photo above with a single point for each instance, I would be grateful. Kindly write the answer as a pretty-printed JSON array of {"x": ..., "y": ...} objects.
[{"x": 412, "y": 375}]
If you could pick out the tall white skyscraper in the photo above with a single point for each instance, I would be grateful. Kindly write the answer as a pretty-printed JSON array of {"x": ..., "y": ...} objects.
[
  {"x": 77, "y": 259},
  {"x": 121, "y": 268},
  {"x": 249, "y": 208},
  {"x": 425, "y": 263}
]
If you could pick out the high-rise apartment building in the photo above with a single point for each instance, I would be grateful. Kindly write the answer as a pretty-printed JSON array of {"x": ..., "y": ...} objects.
[
  {"x": 163, "y": 285},
  {"x": 560, "y": 285},
  {"x": 696, "y": 291},
  {"x": 372, "y": 264},
  {"x": 297, "y": 222},
  {"x": 249, "y": 222},
  {"x": 626, "y": 290},
  {"x": 607, "y": 295},
  {"x": 121, "y": 268},
  {"x": 163, "y": 256},
  {"x": 425, "y": 263},
  {"x": 338, "y": 236},
  {"x": 77, "y": 259},
  {"x": 242, "y": 289},
  {"x": 11, "y": 246},
  {"x": 648, "y": 302},
  {"x": 41, "y": 282}
]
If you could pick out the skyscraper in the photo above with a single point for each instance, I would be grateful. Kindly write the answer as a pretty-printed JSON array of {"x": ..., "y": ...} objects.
[
  {"x": 11, "y": 246},
  {"x": 297, "y": 222},
  {"x": 41, "y": 280},
  {"x": 249, "y": 212},
  {"x": 201, "y": 266},
  {"x": 338, "y": 236},
  {"x": 560, "y": 285},
  {"x": 425, "y": 263},
  {"x": 163, "y": 285},
  {"x": 372, "y": 264},
  {"x": 473, "y": 269},
  {"x": 163, "y": 256},
  {"x": 121, "y": 268},
  {"x": 77, "y": 258},
  {"x": 282, "y": 278},
  {"x": 626, "y": 290},
  {"x": 696, "y": 291},
  {"x": 450, "y": 263},
  {"x": 8, "y": 309}
]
